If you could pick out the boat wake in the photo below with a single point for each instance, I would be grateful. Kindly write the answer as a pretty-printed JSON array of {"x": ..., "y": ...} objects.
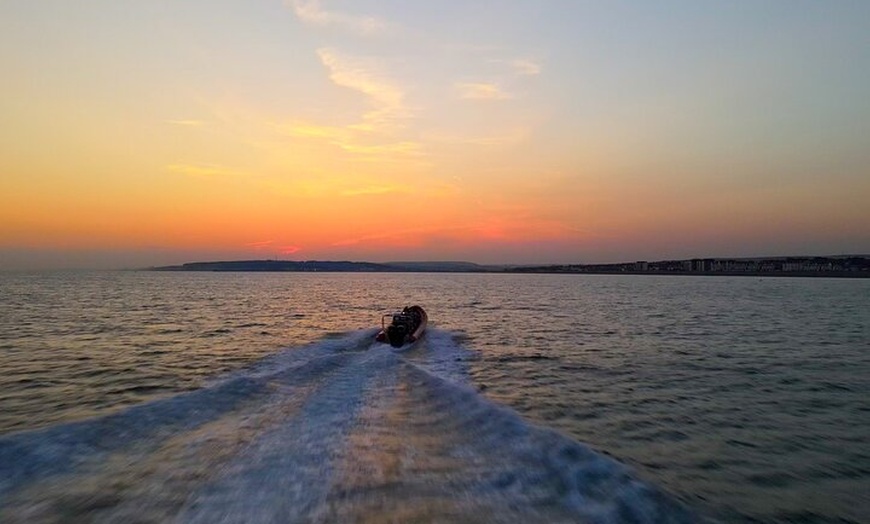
[{"x": 338, "y": 431}]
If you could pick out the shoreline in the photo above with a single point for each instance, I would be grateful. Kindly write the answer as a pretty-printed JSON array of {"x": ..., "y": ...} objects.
[
  {"x": 542, "y": 271},
  {"x": 779, "y": 274}
]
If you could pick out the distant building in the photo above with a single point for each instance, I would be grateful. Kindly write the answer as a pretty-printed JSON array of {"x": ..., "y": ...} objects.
[{"x": 701, "y": 265}]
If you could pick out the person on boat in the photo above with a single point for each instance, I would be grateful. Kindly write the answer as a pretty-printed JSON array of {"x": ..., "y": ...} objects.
[{"x": 403, "y": 327}]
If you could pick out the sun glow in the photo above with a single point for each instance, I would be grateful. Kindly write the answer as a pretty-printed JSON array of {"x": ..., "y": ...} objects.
[{"x": 313, "y": 130}]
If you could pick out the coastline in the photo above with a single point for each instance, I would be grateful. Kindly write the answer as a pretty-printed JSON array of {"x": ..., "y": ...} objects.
[
  {"x": 803, "y": 267},
  {"x": 777, "y": 274}
]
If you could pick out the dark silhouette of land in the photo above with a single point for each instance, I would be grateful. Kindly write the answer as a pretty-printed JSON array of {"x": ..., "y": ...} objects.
[
  {"x": 801, "y": 266},
  {"x": 830, "y": 266},
  {"x": 331, "y": 266}
]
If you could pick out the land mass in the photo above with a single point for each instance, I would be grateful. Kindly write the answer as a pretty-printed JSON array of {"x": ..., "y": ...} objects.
[
  {"x": 830, "y": 266},
  {"x": 331, "y": 266}
]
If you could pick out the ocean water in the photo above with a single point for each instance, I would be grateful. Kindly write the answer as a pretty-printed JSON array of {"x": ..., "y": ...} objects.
[{"x": 246, "y": 397}]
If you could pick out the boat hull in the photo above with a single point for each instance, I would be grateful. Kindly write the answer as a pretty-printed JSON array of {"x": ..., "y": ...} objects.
[{"x": 406, "y": 327}]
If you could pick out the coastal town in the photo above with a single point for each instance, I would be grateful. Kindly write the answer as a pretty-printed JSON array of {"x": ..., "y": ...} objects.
[
  {"x": 835, "y": 266},
  {"x": 839, "y": 266}
]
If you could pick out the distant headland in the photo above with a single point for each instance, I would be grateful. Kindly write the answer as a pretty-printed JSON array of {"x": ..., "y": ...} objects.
[
  {"x": 854, "y": 266},
  {"x": 331, "y": 266}
]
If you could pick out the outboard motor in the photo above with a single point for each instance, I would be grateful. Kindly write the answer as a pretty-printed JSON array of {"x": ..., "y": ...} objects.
[
  {"x": 401, "y": 327},
  {"x": 404, "y": 326}
]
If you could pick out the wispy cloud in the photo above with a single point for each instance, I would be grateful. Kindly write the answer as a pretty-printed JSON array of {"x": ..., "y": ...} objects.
[
  {"x": 372, "y": 190},
  {"x": 269, "y": 246},
  {"x": 493, "y": 229},
  {"x": 525, "y": 67},
  {"x": 312, "y": 12},
  {"x": 306, "y": 130},
  {"x": 353, "y": 139},
  {"x": 410, "y": 236},
  {"x": 374, "y": 134},
  {"x": 481, "y": 91},
  {"x": 365, "y": 75}
]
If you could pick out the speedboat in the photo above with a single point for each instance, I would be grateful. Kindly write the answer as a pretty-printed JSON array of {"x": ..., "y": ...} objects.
[{"x": 403, "y": 327}]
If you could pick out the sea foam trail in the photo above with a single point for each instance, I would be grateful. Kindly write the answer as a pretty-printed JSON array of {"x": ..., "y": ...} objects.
[{"x": 339, "y": 431}]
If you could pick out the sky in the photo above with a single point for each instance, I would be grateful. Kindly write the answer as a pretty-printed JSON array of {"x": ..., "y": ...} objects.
[{"x": 137, "y": 133}]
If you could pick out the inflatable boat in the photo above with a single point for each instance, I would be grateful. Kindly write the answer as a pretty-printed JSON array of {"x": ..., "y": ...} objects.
[{"x": 403, "y": 327}]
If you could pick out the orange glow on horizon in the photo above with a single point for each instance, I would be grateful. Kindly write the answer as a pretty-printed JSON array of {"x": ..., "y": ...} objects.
[{"x": 301, "y": 136}]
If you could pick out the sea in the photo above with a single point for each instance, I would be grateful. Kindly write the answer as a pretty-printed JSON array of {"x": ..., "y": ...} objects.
[{"x": 136, "y": 396}]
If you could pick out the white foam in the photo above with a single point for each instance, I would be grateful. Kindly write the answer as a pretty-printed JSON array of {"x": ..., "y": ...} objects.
[{"x": 294, "y": 431}]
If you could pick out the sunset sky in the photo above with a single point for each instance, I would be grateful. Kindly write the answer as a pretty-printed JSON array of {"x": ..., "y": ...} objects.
[{"x": 135, "y": 133}]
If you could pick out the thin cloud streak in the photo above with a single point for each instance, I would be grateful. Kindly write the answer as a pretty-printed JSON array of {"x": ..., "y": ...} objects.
[
  {"x": 363, "y": 74},
  {"x": 370, "y": 191},
  {"x": 332, "y": 134},
  {"x": 263, "y": 244},
  {"x": 396, "y": 148},
  {"x": 481, "y": 91},
  {"x": 416, "y": 233},
  {"x": 525, "y": 67},
  {"x": 520, "y": 228},
  {"x": 312, "y": 12},
  {"x": 374, "y": 134}
]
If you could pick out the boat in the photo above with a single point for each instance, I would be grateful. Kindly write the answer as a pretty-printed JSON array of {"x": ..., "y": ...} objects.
[{"x": 403, "y": 327}]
